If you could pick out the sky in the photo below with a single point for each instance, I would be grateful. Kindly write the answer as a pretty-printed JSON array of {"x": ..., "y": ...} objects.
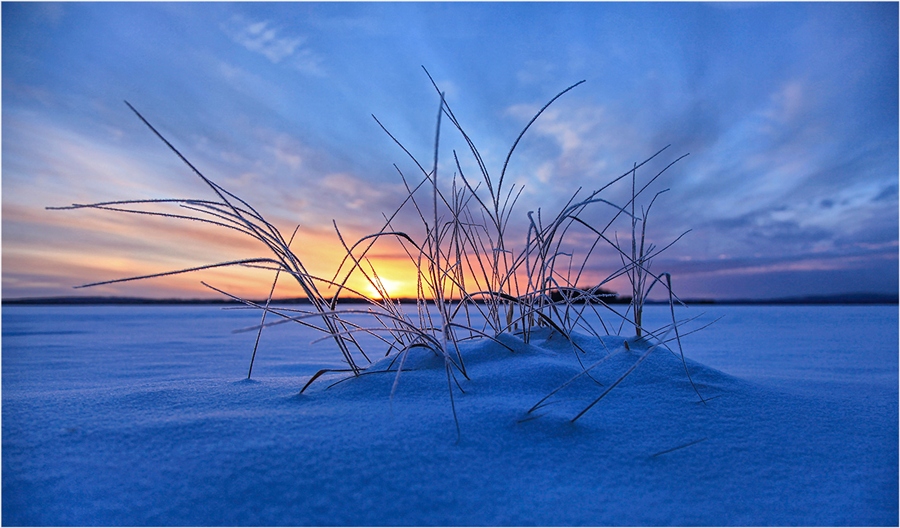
[{"x": 788, "y": 114}]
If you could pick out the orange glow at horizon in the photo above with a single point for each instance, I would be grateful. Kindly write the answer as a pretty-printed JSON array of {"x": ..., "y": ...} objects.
[
  {"x": 47, "y": 254},
  {"x": 395, "y": 289}
]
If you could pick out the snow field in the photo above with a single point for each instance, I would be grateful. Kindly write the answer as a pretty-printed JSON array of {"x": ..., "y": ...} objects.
[{"x": 142, "y": 416}]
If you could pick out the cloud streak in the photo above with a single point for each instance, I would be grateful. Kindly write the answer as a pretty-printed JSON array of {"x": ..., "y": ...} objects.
[{"x": 273, "y": 44}]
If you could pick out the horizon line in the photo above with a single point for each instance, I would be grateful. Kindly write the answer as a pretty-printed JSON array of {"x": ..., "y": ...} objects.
[{"x": 842, "y": 298}]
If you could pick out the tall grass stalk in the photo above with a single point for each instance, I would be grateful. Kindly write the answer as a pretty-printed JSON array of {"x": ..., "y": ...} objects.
[{"x": 466, "y": 258}]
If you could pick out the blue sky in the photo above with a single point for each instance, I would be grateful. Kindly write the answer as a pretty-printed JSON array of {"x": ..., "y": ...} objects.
[{"x": 789, "y": 113}]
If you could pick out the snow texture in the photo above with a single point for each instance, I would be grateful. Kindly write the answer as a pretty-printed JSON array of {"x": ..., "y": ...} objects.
[{"x": 143, "y": 416}]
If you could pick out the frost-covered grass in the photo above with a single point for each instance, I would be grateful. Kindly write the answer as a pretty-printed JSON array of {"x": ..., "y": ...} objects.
[
  {"x": 108, "y": 420},
  {"x": 467, "y": 267}
]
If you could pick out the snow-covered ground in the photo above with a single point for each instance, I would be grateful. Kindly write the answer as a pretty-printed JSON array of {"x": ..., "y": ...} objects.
[{"x": 143, "y": 416}]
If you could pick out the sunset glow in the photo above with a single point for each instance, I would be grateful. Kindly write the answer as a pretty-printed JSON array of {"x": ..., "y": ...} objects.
[
  {"x": 788, "y": 113},
  {"x": 393, "y": 289}
]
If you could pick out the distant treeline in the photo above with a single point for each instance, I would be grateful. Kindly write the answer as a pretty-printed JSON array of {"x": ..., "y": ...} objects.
[
  {"x": 575, "y": 296},
  {"x": 848, "y": 298}
]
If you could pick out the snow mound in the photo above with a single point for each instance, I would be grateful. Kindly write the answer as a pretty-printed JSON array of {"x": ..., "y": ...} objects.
[{"x": 550, "y": 374}]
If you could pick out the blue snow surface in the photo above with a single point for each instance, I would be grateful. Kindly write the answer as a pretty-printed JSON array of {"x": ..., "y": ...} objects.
[{"x": 128, "y": 415}]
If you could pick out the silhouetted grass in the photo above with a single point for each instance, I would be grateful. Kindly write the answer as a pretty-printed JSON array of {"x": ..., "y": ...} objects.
[{"x": 466, "y": 262}]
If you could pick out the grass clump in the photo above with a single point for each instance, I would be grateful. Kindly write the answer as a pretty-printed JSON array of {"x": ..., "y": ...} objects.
[{"x": 468, "y": 266}]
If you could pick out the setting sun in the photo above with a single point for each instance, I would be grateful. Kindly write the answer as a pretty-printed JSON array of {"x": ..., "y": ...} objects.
[{"x": 393, "y": 288}]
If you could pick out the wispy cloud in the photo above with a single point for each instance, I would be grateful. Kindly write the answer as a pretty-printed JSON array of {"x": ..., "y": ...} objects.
[
  {"x": 577, "y": 142},
  {"x": 273, "y": 43},
  {"x": 261, "y": 38},
  {"x": 47, "y": 163}
]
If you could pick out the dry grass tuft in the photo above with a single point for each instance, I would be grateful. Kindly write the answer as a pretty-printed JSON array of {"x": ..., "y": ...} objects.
[{"x": 467, "y": 264}]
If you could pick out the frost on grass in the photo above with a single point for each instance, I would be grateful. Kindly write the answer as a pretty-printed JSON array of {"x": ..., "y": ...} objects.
[{"x": 522, "y": 293}]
